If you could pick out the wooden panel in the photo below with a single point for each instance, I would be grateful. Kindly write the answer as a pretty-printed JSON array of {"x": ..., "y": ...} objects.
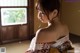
[
  {"x": 23, "y": 32},
  {"x": 6, "y": 33},
  {"x": 0, "y": 35},
  {"x": 14, "y": 33},
  {"x": 31, "y": 18}
]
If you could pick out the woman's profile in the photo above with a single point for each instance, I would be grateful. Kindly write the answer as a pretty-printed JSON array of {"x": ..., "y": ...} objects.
[{"x": 56, "y": 34}]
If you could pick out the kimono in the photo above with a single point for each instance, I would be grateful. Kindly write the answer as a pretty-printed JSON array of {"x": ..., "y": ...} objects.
[{"x": 61, "y": 44}]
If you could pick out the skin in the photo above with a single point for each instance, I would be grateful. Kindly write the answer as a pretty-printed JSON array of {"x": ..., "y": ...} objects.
[{"x": 55, "y": 28}]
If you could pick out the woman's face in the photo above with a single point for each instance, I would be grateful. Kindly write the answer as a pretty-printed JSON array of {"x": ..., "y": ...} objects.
[{"x": 41, "y": 15}]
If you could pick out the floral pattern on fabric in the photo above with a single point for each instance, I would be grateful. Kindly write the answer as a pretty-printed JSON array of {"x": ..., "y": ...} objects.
[{"x": 45, "y": 48}]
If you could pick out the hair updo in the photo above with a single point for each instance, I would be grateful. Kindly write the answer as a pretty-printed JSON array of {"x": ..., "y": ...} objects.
[{"x": 49, "y": 5}]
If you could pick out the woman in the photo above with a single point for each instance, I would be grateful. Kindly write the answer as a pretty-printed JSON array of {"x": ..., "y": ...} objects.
[{"x": 56, "y": 34}]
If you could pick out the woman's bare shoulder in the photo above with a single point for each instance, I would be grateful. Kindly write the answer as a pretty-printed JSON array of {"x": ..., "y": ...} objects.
[
  {"x": 39, "y": 32},
  {"x": 64, "y": 30},
  {"x": 44, "y": 36}
]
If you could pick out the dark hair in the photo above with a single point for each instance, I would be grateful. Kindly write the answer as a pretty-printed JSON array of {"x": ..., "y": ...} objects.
[{"x": 49, "y": 5}]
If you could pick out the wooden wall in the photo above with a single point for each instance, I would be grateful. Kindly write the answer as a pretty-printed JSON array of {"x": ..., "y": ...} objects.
[
  {"x": 13, "y": 33},
  {"x": 19, "y": 32},
  {"x": 70, "y": 14}
]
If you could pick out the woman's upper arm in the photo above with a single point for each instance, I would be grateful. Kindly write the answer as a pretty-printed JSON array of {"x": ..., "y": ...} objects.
[{"x": 38, "y": 35}]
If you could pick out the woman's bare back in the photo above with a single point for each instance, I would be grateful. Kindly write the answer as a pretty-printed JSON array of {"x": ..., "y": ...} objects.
[{"x": 52, "y": 34}]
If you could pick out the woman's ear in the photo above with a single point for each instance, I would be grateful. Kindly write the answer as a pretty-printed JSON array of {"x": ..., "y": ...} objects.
[{"x": 53, "y": 14}]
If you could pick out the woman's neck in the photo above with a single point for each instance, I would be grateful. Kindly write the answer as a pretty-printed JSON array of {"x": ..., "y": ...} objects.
[{"x": 55, "y": 21}]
